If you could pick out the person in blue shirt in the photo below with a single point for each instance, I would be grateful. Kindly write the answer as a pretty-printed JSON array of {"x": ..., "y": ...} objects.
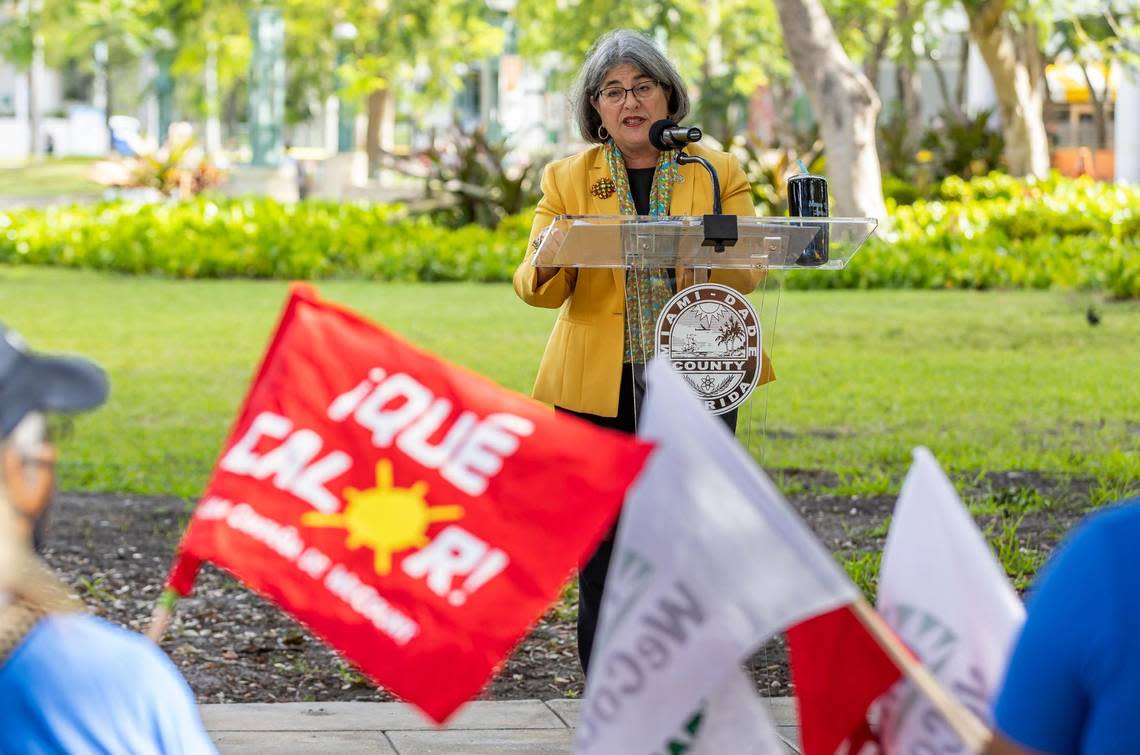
[
  {"x": 69, "y": 682},
  {"x": 1073, "y": 682}
]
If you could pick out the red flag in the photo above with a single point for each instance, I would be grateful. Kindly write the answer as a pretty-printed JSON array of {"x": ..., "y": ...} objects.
[
  {"x": 414, "y": 515},
  {"x": 838, "y": 670}
]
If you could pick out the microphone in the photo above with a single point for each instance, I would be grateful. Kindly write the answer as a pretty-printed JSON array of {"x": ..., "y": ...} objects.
[
  {"x": 666, "y": 134},
  {"x": 720, "y": 229}
]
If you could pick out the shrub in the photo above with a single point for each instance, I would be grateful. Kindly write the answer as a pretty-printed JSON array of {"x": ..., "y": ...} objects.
[
  {"x": 260, "y": 238},
  {"x": 482, "y": 180},
  {"x": 768, "y": 169},
  {"x": 964, "y": 145},
  {"x": 1000, "y": 232},
  {"x": 900, "y": 190},
  {"x": 989, "y": 232}
]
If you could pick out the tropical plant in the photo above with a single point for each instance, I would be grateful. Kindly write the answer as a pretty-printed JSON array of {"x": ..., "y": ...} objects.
[
  {"x": 482, "y": 176},
  {"x": 768, "y": 168},
  {"x": 955, "y": 145},
  {"x": 964, "y": 146},
  {"x": 173, "y": 170}
]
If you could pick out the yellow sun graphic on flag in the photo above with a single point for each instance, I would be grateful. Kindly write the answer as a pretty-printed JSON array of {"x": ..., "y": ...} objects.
[{"x": 384, "y": 518}]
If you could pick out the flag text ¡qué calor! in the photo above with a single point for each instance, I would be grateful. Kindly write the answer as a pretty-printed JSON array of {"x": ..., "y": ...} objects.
[{"x": 399, "y": 411}]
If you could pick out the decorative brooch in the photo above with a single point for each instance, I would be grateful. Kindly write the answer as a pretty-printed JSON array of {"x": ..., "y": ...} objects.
[{"x": 603, "y": 188}]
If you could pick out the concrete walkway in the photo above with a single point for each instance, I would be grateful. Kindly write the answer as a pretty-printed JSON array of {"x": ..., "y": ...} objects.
[{"x": 481, "y": 728}]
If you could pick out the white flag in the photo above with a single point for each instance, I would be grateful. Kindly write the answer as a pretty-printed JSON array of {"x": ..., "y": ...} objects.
[
  {"x": 709, "y": 562},
  {"x": 944, "y": 594},
  {"x": 733, "y": 720}
]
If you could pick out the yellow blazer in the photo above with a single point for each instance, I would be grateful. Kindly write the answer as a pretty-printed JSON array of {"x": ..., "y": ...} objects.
[{"x": 581, "y": 366}]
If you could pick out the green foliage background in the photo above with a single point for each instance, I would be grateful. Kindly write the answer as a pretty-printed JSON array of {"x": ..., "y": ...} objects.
[
  {"x": 260, "y": 238},
  {"x": 1000, "y": 232},
  {"x": 990, "y": 232}
]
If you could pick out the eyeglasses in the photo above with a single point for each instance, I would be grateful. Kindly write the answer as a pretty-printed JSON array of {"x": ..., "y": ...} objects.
[{"x": 616, "y": 95}]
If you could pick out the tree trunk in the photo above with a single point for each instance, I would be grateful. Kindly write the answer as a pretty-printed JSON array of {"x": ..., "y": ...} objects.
[
  {"x": 845, "y": 104},
  {"x": 33, "y": 115},
  {"x": 213, "y": 133},
  {"x": 716, "y": 122},
  {"x": 907, "y": 78},
  {"x": 783, "y": 125},
  {"x": 377, "y": 104},
  {"x": 108, "y": 91},
  {"x": 35, "y": 77},
  {"x": 963, "y": 75},
  {"x": 949, "y": 104},
  {"x": 230, "y": 110},
  {"x": 1100, "y": 120},
  {"x": 874, "y": 62},
  {"x": 1017, "y": 68}
]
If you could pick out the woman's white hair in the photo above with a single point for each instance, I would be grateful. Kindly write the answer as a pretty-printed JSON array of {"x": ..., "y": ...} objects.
[{"x": 623, "y": 46}]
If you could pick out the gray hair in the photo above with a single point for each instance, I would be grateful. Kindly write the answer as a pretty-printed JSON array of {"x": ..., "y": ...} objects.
[{"x": 614, "y": 49}]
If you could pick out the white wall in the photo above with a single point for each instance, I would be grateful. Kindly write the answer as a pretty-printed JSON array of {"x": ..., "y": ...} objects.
[
  {"x": 522, "y": 96},
  {"x": 980, "y": 92},
  {"x": 8, "y": 76},
  {"x": 81, "y": 134},
  {"x": 13, "y": 140},
  {"x": 1127, "y": 135},
  {"x": 978, "y": 88}
]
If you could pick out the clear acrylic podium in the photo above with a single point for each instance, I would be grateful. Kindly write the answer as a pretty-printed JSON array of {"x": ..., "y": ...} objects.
[
  {"x": 617, "y": 241},
  {"x": 679, "y": 245}
]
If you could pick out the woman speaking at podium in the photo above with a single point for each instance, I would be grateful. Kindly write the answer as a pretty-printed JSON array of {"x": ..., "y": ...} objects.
[{"x": 592, "y": 363}]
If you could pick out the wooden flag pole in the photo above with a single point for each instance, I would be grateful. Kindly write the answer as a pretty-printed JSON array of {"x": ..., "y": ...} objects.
[
  {"x": 973, "y": 733},
  {"x": 161, "y": 616}
]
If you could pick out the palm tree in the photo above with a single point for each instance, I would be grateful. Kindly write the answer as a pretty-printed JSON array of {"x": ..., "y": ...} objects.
[{"x": 730, "y": 332}]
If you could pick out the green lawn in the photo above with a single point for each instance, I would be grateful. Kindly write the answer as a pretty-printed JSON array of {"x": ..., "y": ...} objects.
[
  {"x": 989, "y": 381},
  {"x": 47, "y": 178}
]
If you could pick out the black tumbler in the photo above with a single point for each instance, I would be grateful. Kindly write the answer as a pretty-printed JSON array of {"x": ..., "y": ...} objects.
[{"x": 807, "y": 198}]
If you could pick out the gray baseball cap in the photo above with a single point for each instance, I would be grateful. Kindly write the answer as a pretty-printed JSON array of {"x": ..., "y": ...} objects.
[{"x": 31, "y": 382}]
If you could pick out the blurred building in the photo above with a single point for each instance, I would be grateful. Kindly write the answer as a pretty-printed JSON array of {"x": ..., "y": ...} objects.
[
  {"x": 68, "y": 123},
  {"x": 1081, "y": 118}
]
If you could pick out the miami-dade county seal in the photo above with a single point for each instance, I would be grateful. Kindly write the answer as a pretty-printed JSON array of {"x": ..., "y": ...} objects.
[{"x": 711, "y": 335}]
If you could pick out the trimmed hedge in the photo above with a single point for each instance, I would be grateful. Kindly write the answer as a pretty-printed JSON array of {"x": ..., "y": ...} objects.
[
  {"x": 1001, "y": 232},
  {"x": 990, "y": 232},
  {"x": 260, "y": 238}
]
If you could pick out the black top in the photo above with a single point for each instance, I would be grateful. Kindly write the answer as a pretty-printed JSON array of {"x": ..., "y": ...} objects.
[{"x": 640, "y": 186}]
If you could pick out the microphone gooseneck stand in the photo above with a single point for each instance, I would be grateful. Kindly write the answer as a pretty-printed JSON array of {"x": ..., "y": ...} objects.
[{"x": 720, "y": 229}]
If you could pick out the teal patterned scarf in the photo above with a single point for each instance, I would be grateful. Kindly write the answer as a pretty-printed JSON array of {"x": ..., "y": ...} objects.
[{"x": 647, "y": 290}]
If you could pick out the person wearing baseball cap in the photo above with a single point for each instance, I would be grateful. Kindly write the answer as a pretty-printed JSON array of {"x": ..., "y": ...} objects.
[
  {"x": 69, "y": 682},
  {"x": 31, "y": 382},
  {"x": 32, "y": 385}
]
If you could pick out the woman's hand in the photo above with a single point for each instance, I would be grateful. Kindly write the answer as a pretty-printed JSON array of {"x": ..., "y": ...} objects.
[
  {"x": 545, "y": 274},
  {"x": 553, "y": 237}
]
